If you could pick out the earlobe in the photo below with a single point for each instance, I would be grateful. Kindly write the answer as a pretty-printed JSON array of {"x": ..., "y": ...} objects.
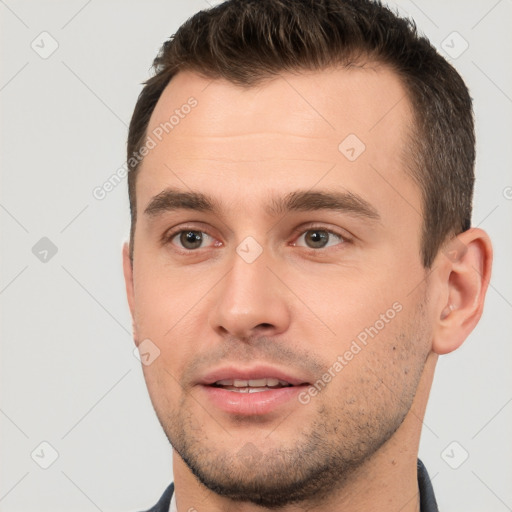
[
  {"x": 465, "y": 268},
  {"x": 128, "y": 279}
]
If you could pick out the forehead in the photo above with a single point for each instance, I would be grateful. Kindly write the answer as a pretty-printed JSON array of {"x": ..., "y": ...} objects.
[
  {"x": 307, "y": 103},
  {"x": 282, "y": 133}
]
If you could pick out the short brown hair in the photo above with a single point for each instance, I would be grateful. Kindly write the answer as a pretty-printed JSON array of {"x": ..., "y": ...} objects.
[{"x": 248, "y": 41}]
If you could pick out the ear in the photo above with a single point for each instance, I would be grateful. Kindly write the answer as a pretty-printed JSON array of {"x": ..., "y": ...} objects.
[
  {"x": 464, "y": 266},
  {"x": 128, "y": 280}
]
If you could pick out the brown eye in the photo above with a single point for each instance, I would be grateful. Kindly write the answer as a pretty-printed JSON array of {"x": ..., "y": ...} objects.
[
  {"x": 191, "y": 239},
  {"x": 316, "y": 239},
  {"x": 319, "y": 238}
]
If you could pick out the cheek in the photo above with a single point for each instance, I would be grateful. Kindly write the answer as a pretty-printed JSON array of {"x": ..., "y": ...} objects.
[
  {"x": 163, "y": 298},
  {"x": 376, "y": 322},
  {"x": 381, "y": 369},
  {"x": 160, "y": 315},
  {"x": 349, "y": 302},
  {"x": 163, "y": 389}
]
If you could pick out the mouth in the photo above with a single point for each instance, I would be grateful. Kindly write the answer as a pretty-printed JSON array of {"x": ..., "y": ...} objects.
[
  {"x": 251, "y": 385},
  {"x": 253, "y": 391}
]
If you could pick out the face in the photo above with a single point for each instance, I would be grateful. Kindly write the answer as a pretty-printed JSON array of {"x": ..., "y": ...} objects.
[{"x": 277, "y": 281}]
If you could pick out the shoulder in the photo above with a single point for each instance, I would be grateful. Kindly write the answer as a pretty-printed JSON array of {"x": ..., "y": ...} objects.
[
  {"x": 427, "y": 498},
  {"x": 165, "y": 500}
]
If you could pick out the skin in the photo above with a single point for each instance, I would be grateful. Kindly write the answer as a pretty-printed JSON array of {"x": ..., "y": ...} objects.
[{"x": 355, "y": 444}]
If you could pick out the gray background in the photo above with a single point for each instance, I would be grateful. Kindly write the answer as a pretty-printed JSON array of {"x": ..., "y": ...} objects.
[{"x": 68, "y": 373}]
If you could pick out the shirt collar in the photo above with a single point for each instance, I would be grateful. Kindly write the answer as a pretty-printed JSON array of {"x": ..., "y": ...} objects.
[{"x": 172, "y": 506}]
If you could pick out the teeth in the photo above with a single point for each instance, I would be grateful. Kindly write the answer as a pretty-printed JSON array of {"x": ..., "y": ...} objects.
[
  {"x": 252, "y": 383},
  {"x": 245, "y": 390},
  {"x": 257, "y": 383}
]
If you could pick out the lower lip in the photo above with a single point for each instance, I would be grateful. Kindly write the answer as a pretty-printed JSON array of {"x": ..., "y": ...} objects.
[{"x": 251, "y": 404}]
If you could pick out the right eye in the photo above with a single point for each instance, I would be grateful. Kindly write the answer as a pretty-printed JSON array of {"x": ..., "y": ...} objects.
[{"x": 190, "y": 239}]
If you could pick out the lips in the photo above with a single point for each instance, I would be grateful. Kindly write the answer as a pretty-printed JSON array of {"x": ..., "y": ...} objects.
[
  {"x": 254, "y": 391},
  {"x": 251, "y": 377}
]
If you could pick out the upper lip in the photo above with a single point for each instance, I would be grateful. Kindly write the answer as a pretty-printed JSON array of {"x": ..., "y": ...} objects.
[{"x": 249, "y": 373}]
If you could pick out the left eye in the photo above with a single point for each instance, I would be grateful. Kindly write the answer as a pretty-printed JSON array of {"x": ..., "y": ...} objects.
[{"x": 319, "y": 238}]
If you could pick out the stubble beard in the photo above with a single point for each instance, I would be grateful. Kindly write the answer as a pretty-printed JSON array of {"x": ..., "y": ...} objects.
[{"x": 308, "y": 469}]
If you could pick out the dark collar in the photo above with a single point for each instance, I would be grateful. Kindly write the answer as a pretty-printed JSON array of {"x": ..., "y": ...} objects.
[
  {"x": 427, "y": 499},
  {"x": 165, "y": 501}
]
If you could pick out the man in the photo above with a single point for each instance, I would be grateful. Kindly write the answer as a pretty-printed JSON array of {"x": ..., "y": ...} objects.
[{"x": 301, "y": 177}]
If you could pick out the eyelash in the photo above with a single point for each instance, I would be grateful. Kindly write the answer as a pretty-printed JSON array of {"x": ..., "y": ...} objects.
[{"x": 168, "y": 237}]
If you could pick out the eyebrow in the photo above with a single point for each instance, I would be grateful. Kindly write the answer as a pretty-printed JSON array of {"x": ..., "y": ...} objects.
[{"x": 172, "y": 199}]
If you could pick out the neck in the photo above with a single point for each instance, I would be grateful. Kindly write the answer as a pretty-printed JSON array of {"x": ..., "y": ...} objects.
[{"x": 387, "y": 481}]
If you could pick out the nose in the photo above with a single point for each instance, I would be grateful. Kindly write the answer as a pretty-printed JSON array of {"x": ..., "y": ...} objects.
[{"x": 250, "y": 301}]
